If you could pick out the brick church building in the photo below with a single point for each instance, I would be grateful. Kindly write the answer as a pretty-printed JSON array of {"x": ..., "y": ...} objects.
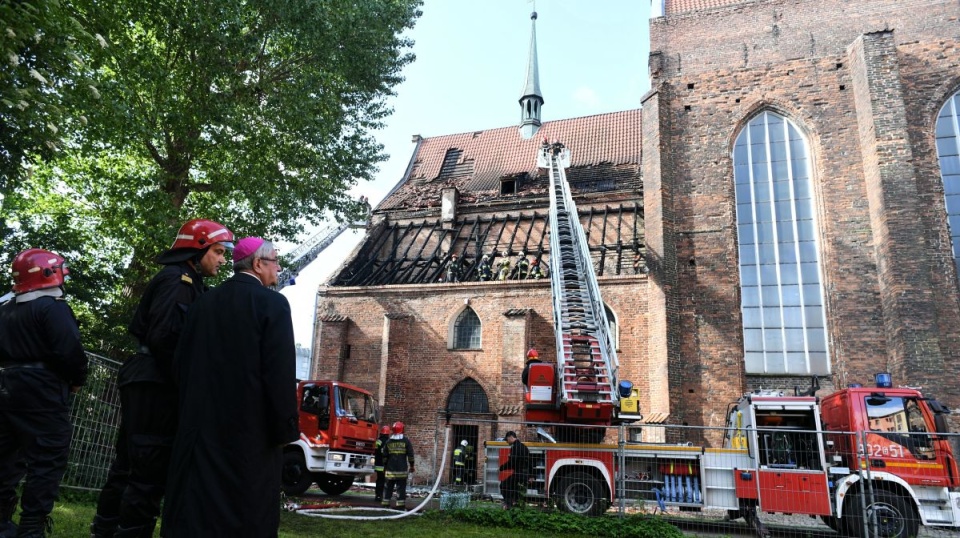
[{"x": 784, "y": 203}]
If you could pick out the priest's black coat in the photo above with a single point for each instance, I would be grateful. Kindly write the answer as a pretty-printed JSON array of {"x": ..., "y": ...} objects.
[{"x": 235, "y": 366}]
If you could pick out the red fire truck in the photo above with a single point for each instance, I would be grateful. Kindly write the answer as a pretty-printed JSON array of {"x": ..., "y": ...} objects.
[
  {"x": 859, "y": 451},
  {"x": 338, "y": 430}
]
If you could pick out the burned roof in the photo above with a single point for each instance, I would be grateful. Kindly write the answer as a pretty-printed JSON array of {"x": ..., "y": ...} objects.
[{"x": 605, "y": 155}]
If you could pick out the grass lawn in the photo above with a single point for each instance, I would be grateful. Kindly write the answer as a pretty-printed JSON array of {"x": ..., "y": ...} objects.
[{"x": 72, "y": 518}]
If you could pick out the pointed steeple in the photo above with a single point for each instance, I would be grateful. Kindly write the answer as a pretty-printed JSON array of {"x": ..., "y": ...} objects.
[{"x": 531, "y": 100}]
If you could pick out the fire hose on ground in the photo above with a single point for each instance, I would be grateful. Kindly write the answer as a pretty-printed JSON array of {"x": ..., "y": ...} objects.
[{"x": 397, "y": 514}]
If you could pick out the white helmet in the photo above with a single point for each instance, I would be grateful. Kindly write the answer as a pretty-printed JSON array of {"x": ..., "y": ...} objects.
[{"x": 463, "y": 443}]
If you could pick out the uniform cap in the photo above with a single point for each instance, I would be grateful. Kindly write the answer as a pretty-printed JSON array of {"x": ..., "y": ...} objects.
[
  {"x": 245, "y": 247},
  {"x": 464, "y": 443}
]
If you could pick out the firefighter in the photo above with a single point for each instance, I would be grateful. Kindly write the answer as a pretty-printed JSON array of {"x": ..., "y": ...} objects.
[
  {"x": 484, "y": 270},
  {"x": 503, "y": 268},
  {"x": 378, "y": 458},
  {"x": 460, "y": 463},
  {"x": 41, "y": 363},
  {"x": 523, "y": 267},
  {"x": 398, "y": 465},
  {"x": 533, "y": 357},
  {"x": 536, "y": 273},
  {"x": 454, "y": 268},
  {"x": 519, "y": 462},
  {"x": 129, "y": 502}
]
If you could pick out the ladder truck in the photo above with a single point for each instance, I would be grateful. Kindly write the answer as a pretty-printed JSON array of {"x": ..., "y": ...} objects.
[
  {"x": 582, "y": 388},
  {"x": 866, "y": 461},
  {"x": 305, "y": 253}
]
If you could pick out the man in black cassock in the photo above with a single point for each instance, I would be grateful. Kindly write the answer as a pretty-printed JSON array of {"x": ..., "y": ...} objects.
[{"x": 235, "y": 365}]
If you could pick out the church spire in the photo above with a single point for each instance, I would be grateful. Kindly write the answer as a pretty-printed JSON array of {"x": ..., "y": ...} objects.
[{"x": 531, "y": 100}]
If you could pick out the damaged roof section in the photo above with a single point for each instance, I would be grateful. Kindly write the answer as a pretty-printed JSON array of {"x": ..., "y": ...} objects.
[
  {"x": 605, "y": 155},
  {"x": 418, "y": 251}
]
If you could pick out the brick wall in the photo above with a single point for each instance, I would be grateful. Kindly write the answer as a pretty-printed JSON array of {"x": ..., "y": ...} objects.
[
  {"x": 864, "y": 82},
  {"x": 398, "y": 340}
]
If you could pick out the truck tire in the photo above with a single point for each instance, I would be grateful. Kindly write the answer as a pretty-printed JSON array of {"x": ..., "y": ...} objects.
[
  {"x": 295, "y": 478},
  {"x": 580, "y": 493},
  {"x": 332, "y": 484},
  {"x": 896, "y": 518}
]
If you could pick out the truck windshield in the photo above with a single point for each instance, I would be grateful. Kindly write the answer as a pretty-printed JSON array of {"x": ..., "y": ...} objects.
[{"x": 355, "y": 404}]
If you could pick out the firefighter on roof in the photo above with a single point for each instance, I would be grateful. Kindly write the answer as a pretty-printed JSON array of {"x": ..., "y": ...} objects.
[
  {"x": 484, "y": 270},
  {"x": 503, "y": 266},
  {"x": 523, "y": 267}
]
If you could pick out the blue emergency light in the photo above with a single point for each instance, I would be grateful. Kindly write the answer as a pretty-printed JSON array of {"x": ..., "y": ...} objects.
[{"x": 884, "y": 380}]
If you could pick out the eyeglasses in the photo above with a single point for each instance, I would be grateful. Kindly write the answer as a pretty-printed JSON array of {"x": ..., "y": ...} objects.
[{"x": 274, "y": 260}]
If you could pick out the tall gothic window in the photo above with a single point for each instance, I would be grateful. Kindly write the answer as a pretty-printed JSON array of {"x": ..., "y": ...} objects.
[
  {"x": 948, "y": 151},
  {"x": 466, "y": 330},
  {"x": 782, "y": 295}
]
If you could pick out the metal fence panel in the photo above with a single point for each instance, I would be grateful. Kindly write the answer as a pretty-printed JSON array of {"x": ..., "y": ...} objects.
[{"x": 95, "y": 414}]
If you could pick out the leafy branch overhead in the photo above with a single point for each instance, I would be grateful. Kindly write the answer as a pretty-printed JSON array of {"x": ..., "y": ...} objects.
[{"x": 256, "y": 113}]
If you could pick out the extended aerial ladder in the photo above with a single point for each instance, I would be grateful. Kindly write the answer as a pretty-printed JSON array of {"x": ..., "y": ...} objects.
[
  {"x": 305, "y": 253},
  {"x": 586, "y": 375}
]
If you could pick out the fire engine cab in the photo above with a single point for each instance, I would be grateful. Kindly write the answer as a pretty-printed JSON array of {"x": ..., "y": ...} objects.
[{"x": 338, "y": 430}]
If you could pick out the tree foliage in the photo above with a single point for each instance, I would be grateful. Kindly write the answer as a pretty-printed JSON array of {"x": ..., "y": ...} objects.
[
  {"x": 41, "y": 43},
  {"x": 255, "y": 113}
]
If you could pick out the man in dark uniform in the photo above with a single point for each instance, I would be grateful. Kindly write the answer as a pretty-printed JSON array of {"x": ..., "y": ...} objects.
[
  {"x": 398, "y": 467},
  {"x": 519, "y": 462},
  {"x": 129, "y": 503},
  {"x": 460, "y": 463},
  {"x": 235, "y": 368},
  {"x": 41, "y": 363},
  {"x": 378, "y": 459}
]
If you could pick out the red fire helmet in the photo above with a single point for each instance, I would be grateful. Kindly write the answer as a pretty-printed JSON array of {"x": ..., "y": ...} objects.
[
  {"x": 533, "y": 354},
  {"x": 385, "y": 430},
  {"x": 36, "y": 269},
  {"x": 398, "y": 427},
  {"x": 194, "y": 236}
]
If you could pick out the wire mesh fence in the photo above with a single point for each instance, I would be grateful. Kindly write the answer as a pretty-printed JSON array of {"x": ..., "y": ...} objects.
[
  {"x": 779, "y": 481},
  {"x": 95, "y": 414}
]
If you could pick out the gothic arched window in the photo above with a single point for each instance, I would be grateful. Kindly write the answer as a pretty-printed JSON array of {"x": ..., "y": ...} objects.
[
  {"x": 466, "y": 330},
  {"x": 948, "y": 152},
  {"x": 781, "y": 292},
  {"x": 468, "y": 397}
]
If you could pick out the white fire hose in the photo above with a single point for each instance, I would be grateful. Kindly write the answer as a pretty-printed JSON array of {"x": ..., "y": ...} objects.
[{"x": 397, "y": 514}]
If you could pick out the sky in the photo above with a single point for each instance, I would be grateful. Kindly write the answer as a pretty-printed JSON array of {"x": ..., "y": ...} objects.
[{"x": 470, "y": 67}]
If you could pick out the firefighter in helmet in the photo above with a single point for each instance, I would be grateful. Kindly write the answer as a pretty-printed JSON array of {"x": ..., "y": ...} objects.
[
  {"x": 523, "y": 266},
  {"x": 533, "y": 357},
  {"x": 41, "y": 362},
  {"x": 484, "y": 270},
  {"x": 460, "y": 463},
  {"x": 378, "y": 460},
  {"x": 536, "y": 272},
  {"x": 454, "y": 268},
  {"x": 503, "y": 267},
  {"x": 399, "y": 464},
  {"x": 130, "y": 500}
]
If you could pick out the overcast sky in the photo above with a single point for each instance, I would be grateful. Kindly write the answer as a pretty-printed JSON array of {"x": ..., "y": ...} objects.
[{"x": 469, "y": 72}]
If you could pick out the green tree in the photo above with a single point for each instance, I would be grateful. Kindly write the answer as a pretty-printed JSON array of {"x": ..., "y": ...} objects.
[
  {"x": 40, "y": 67},
  {"x": 255, "y": 113}
]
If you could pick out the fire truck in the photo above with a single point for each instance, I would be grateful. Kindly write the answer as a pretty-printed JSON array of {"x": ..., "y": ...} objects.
[
  {"x": 338, "y": 431},
  {"x": 877, "y": 452},
  {"x": 867, "y": 461}
]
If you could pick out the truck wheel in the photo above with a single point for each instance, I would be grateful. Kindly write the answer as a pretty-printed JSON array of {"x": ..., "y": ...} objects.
[
  {"x": 295, "y": 478},
  {"x": 895, "y": 517},
  {"x": 580, "y": 493},
  {"x": 332, "y": 484}
]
